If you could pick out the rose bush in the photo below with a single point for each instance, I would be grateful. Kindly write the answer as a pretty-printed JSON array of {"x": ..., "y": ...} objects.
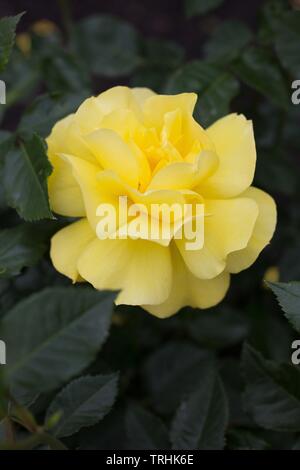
[{"x": 148, "y": 147}]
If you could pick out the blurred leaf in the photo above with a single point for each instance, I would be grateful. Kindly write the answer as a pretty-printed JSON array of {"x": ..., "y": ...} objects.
[
  {"x": 234, "y": 385},
  {"x": 288, "y": 296},
  {"x": 202, "y": 417},
  {"x": 287, "y": 42},
  {"x": 259, "y": 70},
  {"x": 200, "y": 7},
  {"x": 108, "y": 434},
  {"x": 46, "y": 110},
  {"x": 7, "y": 37},
  {"x": 237, "y": 35},
  {"x": 53, "y": 335},
  {"x": 63, "y": 72},
  {"x": 271, "y": 16},
  {"x": 20, "y": 246},
  {"x": 218, "y": 328},
  {"x": 21, "y": 77},
  {"x": 6, "y": 141},
  {"x": 159, "y": 59},
  {"x": 144, "y": 430},
  {"x": 163, "y": 53},
  {"x": 291, "y": 134},
  {"x": 108, "y": 45},
  {"x": 215, "y": 88},
  {"x": 172, "y": 371},
  {"x": 243, "y": 439},
  {"x": 289, "y": 266},
  {"x": 83, "y": 402},
  {"x": 273, "y": 392},
  {"x": 25, "y": 179},
  {"x": 275, "y": 173}
]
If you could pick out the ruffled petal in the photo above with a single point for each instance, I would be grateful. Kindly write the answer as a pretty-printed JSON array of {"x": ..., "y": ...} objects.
[
  {"x": 235, "y": 145},
  {"x": 140, "y": 269},
  {"x": 114, "y": 154},
  {"x": 67, "y": 245},
  {"x": 188, "y": 290},
  {"x": 262, "y": 233},
  {"x": 183, "y": 175},
  {"x": 228, "y": 227}
]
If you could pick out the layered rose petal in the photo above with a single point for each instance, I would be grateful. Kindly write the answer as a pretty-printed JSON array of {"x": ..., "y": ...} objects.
[
  {"x": 235, "y": 145},
  {"x": 67, "y": 246},
  {"x": 140, "y": 269},
  {"x": 149, "y": 150},
  {"x": 262, "y": 232},
  {"x": 188, "y": 289}
]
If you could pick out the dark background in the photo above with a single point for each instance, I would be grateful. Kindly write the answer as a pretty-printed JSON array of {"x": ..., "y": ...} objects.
[{"x": 159, "y": 18}]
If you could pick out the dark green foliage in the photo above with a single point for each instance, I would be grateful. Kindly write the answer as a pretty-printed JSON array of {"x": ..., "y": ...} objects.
[{"x": 84, "y": 374}]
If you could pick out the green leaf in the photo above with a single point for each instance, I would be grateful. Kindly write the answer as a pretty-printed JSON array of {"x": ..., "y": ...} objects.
[
  {"x": 177, "y": 364},
  {"x": 237, "y": 35},
  {"x": 275, "y": 173},
  {"x": 202, "y": 417},
  {"x": 64, "y": 73},
  {"x": 108, "y": 45},
  {"x": 243, "y": 439},
  {"x": 21, "y": 76},
  {"x": 200, "y": 7},
  {"x": 287, "y": 42},
  {"x": 53, "y": 335},
  {"x": 20, "y": 246},
  {"x": 46, "y": 110},
  {"x": 271, "y": 16},
  {"x": 145, "y": 430},
  {"x": 6, "y": 141},
  {"x": 215, "y": 88},
  {"x": 25, "y": 179},
  {"x": 288, "y": 296},
  {"x": 259, "y": 70},
  {"x": 289, "y": 266},
  {"x": 218, "y": 328},
  {"x": 272, "y": 393},
  {"x": 160, "y": 58},
  {"x": 82, "y": 403},
  {"x": 7, "y": 37}
]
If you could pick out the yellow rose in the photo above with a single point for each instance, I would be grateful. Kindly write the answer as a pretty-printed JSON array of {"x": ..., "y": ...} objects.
[{"x": 148, "y": 147}]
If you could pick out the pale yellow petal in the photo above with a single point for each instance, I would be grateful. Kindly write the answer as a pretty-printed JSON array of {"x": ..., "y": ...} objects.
[
  {"x": 228, "y": 227},
  {"x": 141, "y": 269},
  {"x": 64, "y": 192},
  {"x": 122, "y": 97},
  {"x": 183, "y": 175},
  {"x": 142, "y": 94},
  {"x": 235, "y": 145},
  {"x": 157, "y": 106},
  {"x": 86, "y": 176},
  {"x": 188, "y": 290},
  {"x": 67, "y": 245},
  {"x": 114, "y": 154},
  {"x": 89, "y": 115},
  {"x": 262, "y": 233}
]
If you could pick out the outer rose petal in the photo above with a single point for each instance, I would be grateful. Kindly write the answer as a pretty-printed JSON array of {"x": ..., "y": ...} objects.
[
  {"x": 187, "y": 289},
  {"x": 157, "y": 106},
  {"x": 86, "y": 176},
  {"x": 263, "y": 231},
  {"x": 122, "y": 97},
  {"x": 67, "y": 245},
  {"x": 141, "y": 269},
  {"x": 235, "y": 145},
  {"x": 64, "y": 192},
  {"x": 228, "y": 226}
]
